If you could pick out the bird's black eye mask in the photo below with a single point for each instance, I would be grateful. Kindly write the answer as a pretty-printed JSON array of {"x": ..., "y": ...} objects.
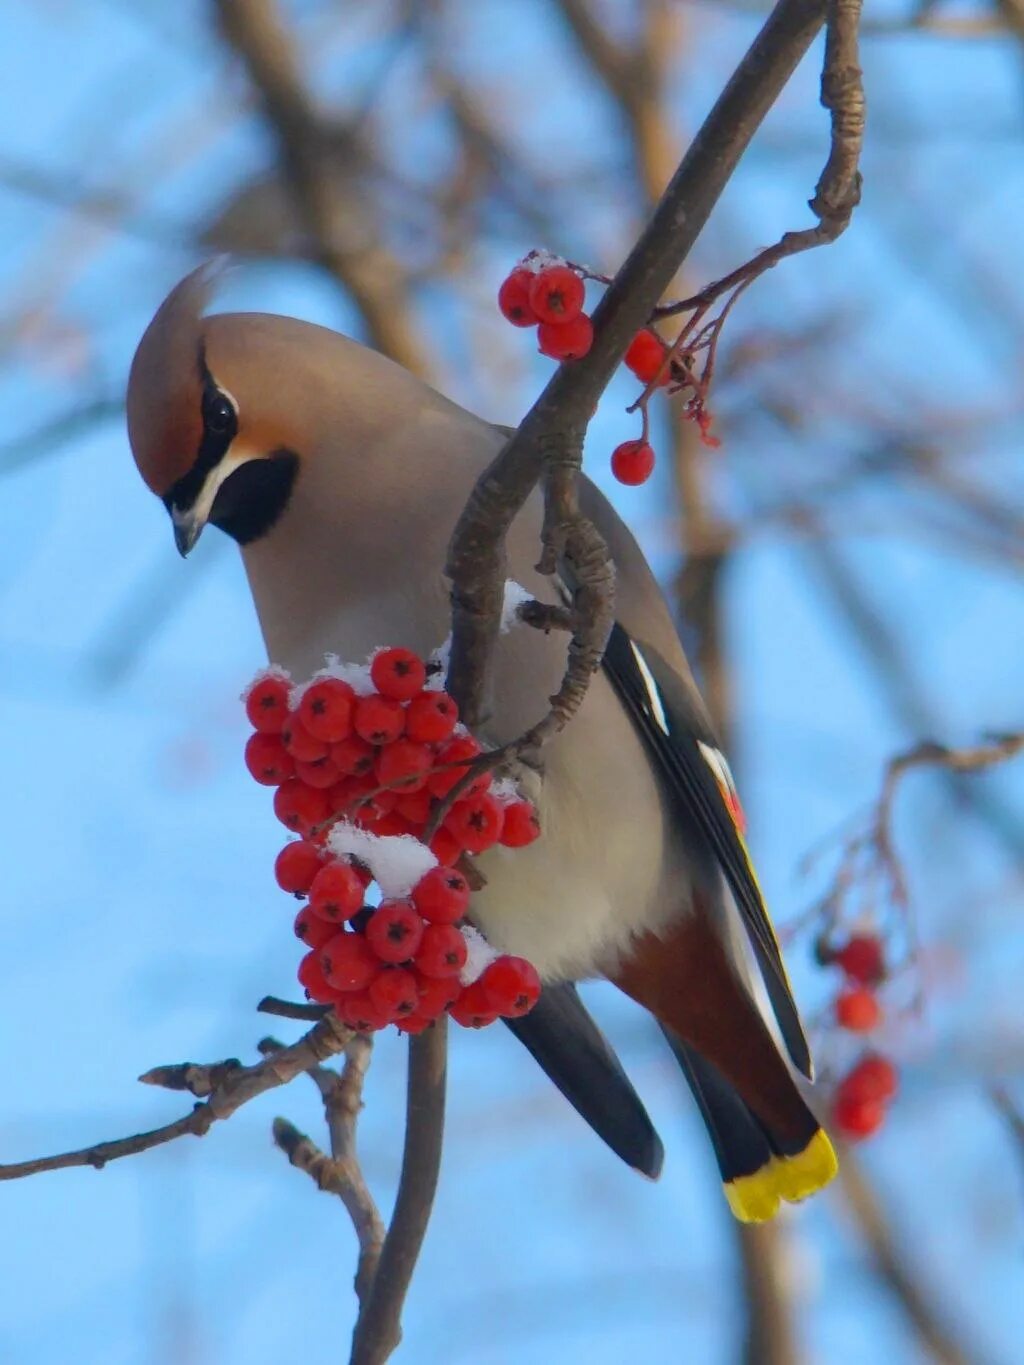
[
  {"x": 251, "y": 499},
  {"x": 220, "y": 426}
]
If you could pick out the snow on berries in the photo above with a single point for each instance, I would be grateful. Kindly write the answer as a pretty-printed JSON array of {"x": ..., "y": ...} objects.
[{"x": 364, "y": 760}]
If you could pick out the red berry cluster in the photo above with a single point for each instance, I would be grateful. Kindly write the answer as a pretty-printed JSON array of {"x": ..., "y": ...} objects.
[
  {"x": 547, "y": 293},
  {"x": 382, "y": 761},
  {"x": 861, "y": 1096}
]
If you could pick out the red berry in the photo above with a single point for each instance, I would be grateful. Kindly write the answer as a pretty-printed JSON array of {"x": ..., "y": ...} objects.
[
  {"x": 353, "y": 756},
  {"x": 268, "y": 761},
  {"x": 296, "y": 866},
  {"x": 311, "y": 977},
  {"x": 326, "y": 709},
  {"x": 348, "y": 961},
  {"x": 313, "y": 932},
  {"x": 511, "y": 985},
  {"x": 388, "y": 823},
  {"x": 514, "y": 298},
  {"x": 645, "y": 356},
  {"x": 378, "y": 720},
  {"x": 858, "y": 1010},
  {"x": 300, "y": 743},
  {"x": 566, "y": 340},
  {"x": 436, "y": 993},
  {"x": 404, "y": 764},
  {"x": 632, "y": 462},
  {"x": 441, "y": 895},
  {"x": 301, "y": 808},
  {"x": 414, "y": 807},
  {"x": 414, "y": 1023},
  {"x": 397, "y": 673},
  {"x": 336, "y": 892},
  {"x": 873, "y": 1078},
  {"x": 266, "y": 704},
  {"x": 862, "y": 958},
  {"x": 473, "y": 1009},
  {"x": 445, "y": 848},
  {"x": 442, "y": 952},
  {"x": 323, "y": 773},
  {"x": 394, "y": 991},
  {"x": 431, "y": 717},
  {"x": 476, "y": 822},
  {"x": 395, "y": 931},
  {"x": 464, "y": 748},
  {"x": 557, "y": 294},
  {"x": 361, "y": 796},
  {"x": 521, "y": 825},
  {"x": 857, "y": 1118},
  {"x": 356, "y": 1009}
]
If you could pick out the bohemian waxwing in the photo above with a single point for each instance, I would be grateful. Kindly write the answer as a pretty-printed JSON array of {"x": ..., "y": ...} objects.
[{"x": 341, "y": 476}]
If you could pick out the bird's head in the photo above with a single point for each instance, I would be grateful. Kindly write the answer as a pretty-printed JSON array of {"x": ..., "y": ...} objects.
[{"x": 199, "y": 423}]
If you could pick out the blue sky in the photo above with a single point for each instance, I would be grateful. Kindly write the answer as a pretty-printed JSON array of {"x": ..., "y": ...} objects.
[{"x": 140, "y": 923}]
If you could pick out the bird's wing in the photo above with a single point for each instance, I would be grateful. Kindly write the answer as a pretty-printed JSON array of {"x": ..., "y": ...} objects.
[{"x": 697, "y": 775}]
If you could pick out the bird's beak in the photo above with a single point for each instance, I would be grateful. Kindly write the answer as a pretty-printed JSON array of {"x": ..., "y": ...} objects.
[{"x": 188, "y": 527}]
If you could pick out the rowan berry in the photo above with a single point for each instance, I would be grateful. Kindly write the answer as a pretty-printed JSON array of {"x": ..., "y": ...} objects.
[
  {"x": 557, "y": 294},
  {"x": 458, "y": 751},
  {"x": 873, "y": 1078},
  {"x": 266, "y": 704},
  {"x": 445, "y": 848},
  {"x": 311, "y": 977},
  {"x": 645, "y": 356},
  {"x": 397, "y": 674},
  {"x": 858, "y": 1010},
  {"x": 322, "y": 773},
  {"x": 442, "y": 951},
  {"x": 404, "y": 764},
  {"x": 268, "y": 761},
  {"x": 395, "y": 931},
  {"x": 326, "y": 709},
  {"x": 632, "y": 462},
  {"x": 313, "y": 932},
  {"x": 521, "y": 824},
  {"x": 856, "y": 1118},
  {"x": 511, "y": 985},
  {"x": 300, "y": 743},
  {"x": 414, "y": 806},
  {"x": 301, "y": 808},
  {"x": 348, "y": 962},
  {"x": 436, "y": 993},
  {"x": 336, "y": 892},
  {"x": 473, "y": 1009},
  {"x": 296, "y": 866},
  {"x": 431, "y": 717},
  {"x": 514, "y": 298},
  {"x": 566, "y": 340},
  {"x": 377, "y": 719},
  {"x": 441, "y": 895},
  {"x": 476, "y": 822},
  {"x": 356, "y": 1009},
  {"x": 862, "y": 958},
  {"x": 394, "y": 992},
  {"x": 353, "y": 757}
]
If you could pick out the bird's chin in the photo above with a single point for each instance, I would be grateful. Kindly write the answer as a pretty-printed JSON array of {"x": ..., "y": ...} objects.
[{"x": 251, "y": 500}]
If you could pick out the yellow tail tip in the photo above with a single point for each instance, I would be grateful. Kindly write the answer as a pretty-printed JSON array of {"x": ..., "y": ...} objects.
[{"x": 756, "y": 1198}]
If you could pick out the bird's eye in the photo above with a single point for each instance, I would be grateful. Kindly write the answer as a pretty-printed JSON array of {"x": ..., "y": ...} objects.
[{"x": 218, "y": 414}]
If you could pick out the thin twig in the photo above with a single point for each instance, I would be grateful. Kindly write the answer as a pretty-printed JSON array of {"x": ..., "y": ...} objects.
[
  {"x": 234, "y": 1086},
  {"x": 378, "y": 1330}
]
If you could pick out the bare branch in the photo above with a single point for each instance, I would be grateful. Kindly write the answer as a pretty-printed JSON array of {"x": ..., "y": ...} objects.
[
  {"x": 232, "y": 1086},
  {"x": 551, "y": 435},
  {"x": 379, "y": 1331},
  {"x": 340, "y": 1173}
]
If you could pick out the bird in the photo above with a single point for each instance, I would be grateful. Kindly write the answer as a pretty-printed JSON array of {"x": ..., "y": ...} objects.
[{"x": 340, "y": 476}]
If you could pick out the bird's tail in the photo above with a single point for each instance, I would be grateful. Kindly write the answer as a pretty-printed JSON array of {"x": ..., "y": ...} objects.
[{"x": 759, "y": 1167}]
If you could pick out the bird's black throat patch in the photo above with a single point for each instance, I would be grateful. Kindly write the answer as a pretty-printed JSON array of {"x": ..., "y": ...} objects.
[{"x": 250, "y": 500}]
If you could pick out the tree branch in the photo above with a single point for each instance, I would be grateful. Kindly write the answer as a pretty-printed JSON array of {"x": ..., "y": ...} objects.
[
  {"x": 551, "y": 434},
  {"x": 378, "y": 1330},
  {"x": 228, "y": 1084}
]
